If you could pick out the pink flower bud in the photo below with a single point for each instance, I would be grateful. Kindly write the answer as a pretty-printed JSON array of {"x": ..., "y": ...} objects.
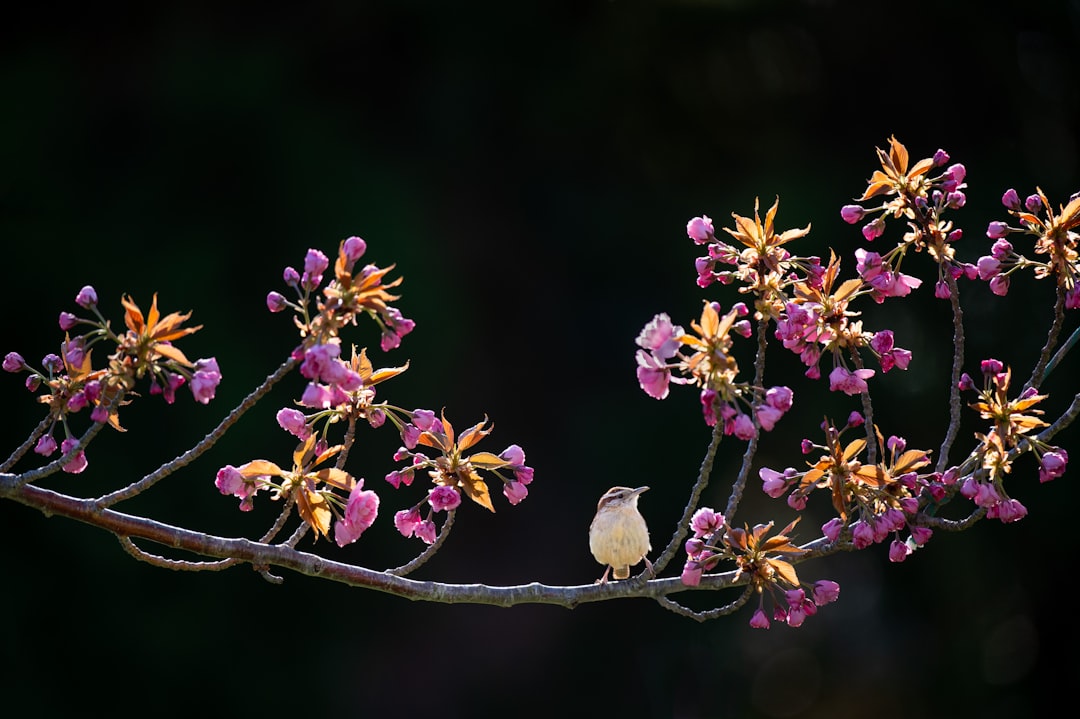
[{"x": 87, "y": 297}]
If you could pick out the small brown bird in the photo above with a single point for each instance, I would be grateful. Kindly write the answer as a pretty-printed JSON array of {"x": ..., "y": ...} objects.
[{"x": 618, "y": 535}]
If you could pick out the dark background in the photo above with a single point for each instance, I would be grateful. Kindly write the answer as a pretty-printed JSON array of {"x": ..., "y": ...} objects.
[{"x": 530, "y": 169}]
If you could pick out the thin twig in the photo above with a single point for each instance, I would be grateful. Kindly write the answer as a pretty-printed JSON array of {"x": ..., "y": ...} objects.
[
  {"x": 703, "y": 616},
  {"x": 868, "y": 415},
  {"x": 23, "y": 448},
  {"x": 1040, "y": 371},
  {"x": 428, "y": 553},
  {"x": 955, "y": 407},
  {"x": 206, "y": 443},
  {"x": 179, "y": 565},
  {"x": 1062, "y": 351},
  {"x": 739, "y": 485}
]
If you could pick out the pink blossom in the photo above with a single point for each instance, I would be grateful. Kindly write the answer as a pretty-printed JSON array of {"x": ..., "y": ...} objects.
[
  {"x": 407, "y": 520},
  {"x": 99, "y": 414},
  {"x": 229, "y": 481},
  {"x": 831, "y": 529},
  {"x": 360, "y": 513},
  {"x": 706, "y": 521},
  {"x": 874, "y": 229},
  {"x": 826, "y": 591},
  {"x": 691, "y": 574},
  {"x": 1033, "y": 203},
  {"x": 294, "y": 422},
  {"x": 774, "y": 483},
  {"x": 759, "y": 620},
  {"x": 426, "y": 531},
  {"x": 895, "y": 358},
  {"x": 354, "y": 248},
  {"x": 276, "y": 302},
  {"x": 852, "y": 213},
  {"x": 768, "y": 416},
  {"x": 898, "y": 551},
  {"x": 76, "y": 402},
  {"x": 87, "y": 297},
  {"x": 1010, "y": 510},
  {"x": 290, "y": 276},
  {"x": 862, "y": 534},
  {"x": 942, "y": 291},
  {"x": 921, "y": 535},
  {"x": 78, "y": 462},
  {"x": 797, "y": 501},
  {"x": 423, "y": 418},
  {"x": 1053, "y": 464},
  {"x": 996, "y": 230},
  {"x": 1072, "y": 297},
  {"x": 780, "y": 397},
  {"x": 318, "y": 396},
  {"x": 515, "y": 491},
  {"x": 653, "y": 376},
  {"x": 743, "y": 427},
  {"x": 315, "y": 263},
  {"x": 205, "y": 380},
  {"x": 660, "y": 337},
  {"x": 999, "y": 285},
  {"x": 13, "y": 362},
  {"x": 399, "y": 477},
  {"x": 318, "y": 360},
  {"x": 851, "y": 383},
  {"x": 441, "y": 498},
  {"x": 1010, "y": 199},
  {"x": 396, "y": 327},
  {"x": 67, "y": 321},
  {"x": 46, "y": 445},
  {"x": 989, "y": 266},
  {"x": 855, "y": 419},
  {"x": 700, "y": 229}
]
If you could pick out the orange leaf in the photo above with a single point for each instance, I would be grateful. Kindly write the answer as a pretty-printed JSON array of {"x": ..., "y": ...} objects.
[
  {"x": 476, "y": 489},
  {"x": 487, "y": 460},
  {"x": 786, "y": 571},
  {"x": 473, "y": 435},
  {"x": 335, "y": 477},
  {"x": 171, "y": 352},
  {"x": 260, "y": 467},
  {"x": 314, "y": 509}
]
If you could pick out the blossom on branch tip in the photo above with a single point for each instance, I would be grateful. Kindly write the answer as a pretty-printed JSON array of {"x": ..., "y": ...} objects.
[
  {"x": 444, "y": 498},
  {"x": 1052, "y": 464},
  {"x": 706, "y": 521},
  {"x": 841, "y": 379},
  {"x": 13, "y": 362},
  {"x": 515, "y": 491},
  {"x": 46, "y": 445},
  {"x": 87, "y": 297},
  {"x": 700, "y": 229},
  {"x": 407, "y": 521},
  {"x": 360, "y": 513}
]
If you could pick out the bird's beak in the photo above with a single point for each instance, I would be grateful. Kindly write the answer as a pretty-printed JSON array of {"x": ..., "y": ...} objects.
[{"x": 638, "y": 491}]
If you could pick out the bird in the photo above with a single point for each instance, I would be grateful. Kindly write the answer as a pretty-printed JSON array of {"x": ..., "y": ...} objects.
[{"x": 618, "y": 535}]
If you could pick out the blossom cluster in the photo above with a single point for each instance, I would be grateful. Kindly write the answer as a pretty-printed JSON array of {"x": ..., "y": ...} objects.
[
  {"x": 704, "y": 359},
  {"x": 452, "y": 471},
  {"x": 71, "y": 383},
  {"x": 1054, "y": 237},
  {"x": 880, "y": 489},
  {"x": 764, "y": 558},
  {"x": 343, "y": 391},
  {"x": 922, "y": 199}
]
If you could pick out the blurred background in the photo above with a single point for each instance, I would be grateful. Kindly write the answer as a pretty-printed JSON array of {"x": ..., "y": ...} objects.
[{"x": 530, "y": 168}]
